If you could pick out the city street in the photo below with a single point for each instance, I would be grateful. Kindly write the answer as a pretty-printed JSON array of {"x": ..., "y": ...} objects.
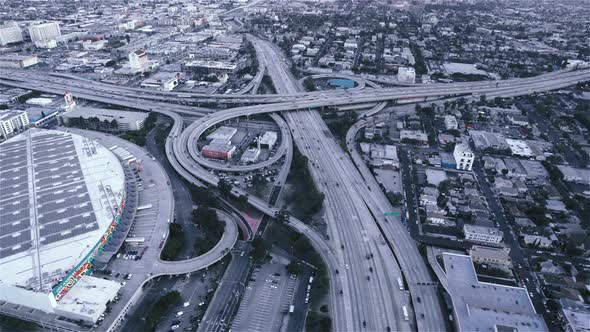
[{"x": 519, "y": 259}]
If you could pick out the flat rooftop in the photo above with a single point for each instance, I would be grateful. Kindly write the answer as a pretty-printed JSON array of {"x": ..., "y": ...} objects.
[
  {"x": 7, "y": 114},
  {"x": 223, "y": 133},
  {"x": 60, "y": 193},
  {"x": 89, "y": 297},
  {"x": 481, "y": 306},
  {"x": 105, "y": 113}
]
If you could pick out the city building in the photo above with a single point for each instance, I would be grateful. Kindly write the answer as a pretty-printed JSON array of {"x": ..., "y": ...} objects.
[
  {"x": 572, "y": 174},
  {"x": 464, "y": 157},
  {"x": 125, "y": 120},
  {"x": 222, "y": 133},
  {"x": 44, "y": 32},
  {"x": 435, "y": 217},
  {"x": 519, "y": 148},
  {"x": 534, "y": 169},
  {"x": 476, "y": 233},
  {"x": 385, "y": 155},
  {"x": 97, "y": 292},
  {"x": 18, "y": 61},
  {"x": 212, "y": 67},
  {"x": 447, "y": 160},
  {"x": 10, "y": 95},
  {"x": 39, "y": 101},
  {"x": 165, "y": 81},
  {"x": 575, "y": 316},
  {"x": 12, "y": 121},
  {"x": 268, "y": 140},
  {"x": 40, "y": 117},
  {"x": 482, "y": 306},
  {"x": 10, "y": 34},
  {"x": 537, "y": 241},
  {"x": 483, "y": 140},
  {"x": 413, "y": 136},
  {"x": 250, "y": 155},
  {"x": 94, "y": 45},
  {"x": 218, "y": 150},
  {"x": 451, "y": 122},
  {"x": 406, "y": 75},
  {"x": 52, "y": 43},
  {"x": 138, "y": 60},
  {"x": 490, "y": 255},
  {"x": 56, "y": 218}
]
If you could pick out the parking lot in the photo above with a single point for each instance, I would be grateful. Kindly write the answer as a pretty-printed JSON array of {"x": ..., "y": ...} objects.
[{"x": 266, "y": 299}]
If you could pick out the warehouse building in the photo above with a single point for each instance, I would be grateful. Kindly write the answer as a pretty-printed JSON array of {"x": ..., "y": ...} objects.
[
  {"x": 218, "y": 150},
  {"x": 482, "y": 306},
  {"x": 18, "y": 61},
  {"x": 268, "y": 140},
  {"x": 165, "y": 81},
  {"x": 222, "y": 133},
  {"x": 572, "y": 174},
  {"x": 125, "y": 120},
  {"x": 53, "y": 230}
]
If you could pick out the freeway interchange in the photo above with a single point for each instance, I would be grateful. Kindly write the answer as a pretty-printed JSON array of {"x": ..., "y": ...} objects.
[{"x": 365, "y": 252}]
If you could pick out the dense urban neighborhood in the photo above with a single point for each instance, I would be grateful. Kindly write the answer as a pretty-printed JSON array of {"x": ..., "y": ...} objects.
[{"x": 275, "y": 165}]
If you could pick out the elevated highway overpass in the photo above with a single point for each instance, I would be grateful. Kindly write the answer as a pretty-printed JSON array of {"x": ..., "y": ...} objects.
[
  {"x": 178, "y": 152},
  {"x": 69, "y": 82}
]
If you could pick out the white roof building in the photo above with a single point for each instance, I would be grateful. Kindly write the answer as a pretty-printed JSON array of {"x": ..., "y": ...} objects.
[
  {"x": 18, "y": 61},
  {"x": 485, "y": 140},
  {"x": 268, "y": 140},
  {"x": 481, "y": 306},
  {"x": 222, "y": 133},
  {"x": 464, "y": 157},
  {"x": 451, "y": 122},
  {"x": 476, "y": 233},
  {"x": 165, "y": 81},
  {"x": 88, "y": 300},
  {"x": 415, "y": 135},
  {"x": 72, "y": 211},
  {"x": 490, "y": 255},
  {"x": 250, "y": 155},
  {"x": 519, "y": 148},
  {"x": 406, "y": 75},
  {"x": 576, "y": 315}
]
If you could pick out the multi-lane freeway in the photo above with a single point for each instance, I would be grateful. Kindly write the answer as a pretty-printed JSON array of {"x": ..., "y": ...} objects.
[
  {"x": 365, "y": 252},
  {"x": 73, "y": 83},
  {"x": 367, "y": 268},
  {"x": 348, "y": 200}
]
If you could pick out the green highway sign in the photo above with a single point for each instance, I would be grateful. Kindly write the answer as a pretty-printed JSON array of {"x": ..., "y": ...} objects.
[{"x": 387, "y": 214}]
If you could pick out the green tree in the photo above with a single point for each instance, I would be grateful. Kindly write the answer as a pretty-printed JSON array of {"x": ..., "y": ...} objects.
[
  {"x": 242, "y": 201},
  {"x": 309, "y": 84},
  {"x": 293, "y": 268},
  {"x": 394, "y": 198},
  {"x": 225, "y": 187},
  {"x": 160, "y": 307},
  {"x": 258, "y": 250},
  {"x": 174, "y": 242},
  {"x": 282, "y": 216}
]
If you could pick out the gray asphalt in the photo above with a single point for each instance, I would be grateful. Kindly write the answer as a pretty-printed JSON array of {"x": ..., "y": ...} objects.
[{"x": 227, "y": 297}]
